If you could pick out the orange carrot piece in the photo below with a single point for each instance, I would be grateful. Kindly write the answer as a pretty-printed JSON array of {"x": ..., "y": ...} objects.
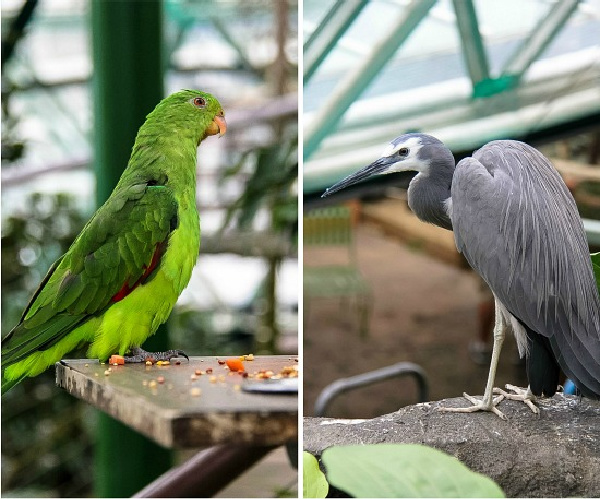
[
  {"x": 116, "y": 359},
  {"x": 235, "y": 365}
]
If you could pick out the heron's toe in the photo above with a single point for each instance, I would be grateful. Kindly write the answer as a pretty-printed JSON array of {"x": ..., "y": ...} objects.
[
  {"x": 521, "y": 395},
  {"x": 478, "y": 405}
]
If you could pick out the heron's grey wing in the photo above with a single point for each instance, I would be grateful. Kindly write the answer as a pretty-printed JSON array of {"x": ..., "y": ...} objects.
[{"x": 518, "y": 226}]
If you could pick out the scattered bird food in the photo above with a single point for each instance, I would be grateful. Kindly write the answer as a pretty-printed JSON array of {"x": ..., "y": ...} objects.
[
  {"x": 235, "y": 365},
  {"x": 116, "y": 360}
]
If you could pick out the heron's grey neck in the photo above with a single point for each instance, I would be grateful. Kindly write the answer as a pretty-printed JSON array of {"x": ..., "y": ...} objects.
[{"x": 428, "y": 193}]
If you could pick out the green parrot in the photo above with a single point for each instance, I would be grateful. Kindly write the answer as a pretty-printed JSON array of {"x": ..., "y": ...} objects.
[{"x": 124, "y": 272}]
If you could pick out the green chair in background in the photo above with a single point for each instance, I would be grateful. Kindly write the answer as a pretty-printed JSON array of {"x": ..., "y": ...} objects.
[{"x": 332, "y": 228}]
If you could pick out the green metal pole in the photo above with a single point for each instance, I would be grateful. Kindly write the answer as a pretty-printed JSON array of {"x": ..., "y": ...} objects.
[
  {"x": 540, "y": 37},
  {"x": 472, "y": 44},
  {"x": 127, "y": 83},
  {"x": 330, "y": 29}
]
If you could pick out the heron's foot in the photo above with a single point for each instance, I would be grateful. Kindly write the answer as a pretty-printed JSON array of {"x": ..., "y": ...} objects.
[
  {"x": 139, "y": 355},
  {"x": 479, "y": 405},
  {"x": 521, "y": 394}
]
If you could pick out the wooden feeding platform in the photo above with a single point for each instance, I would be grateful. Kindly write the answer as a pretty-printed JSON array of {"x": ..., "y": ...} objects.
[{"x": 193, "y": 404}]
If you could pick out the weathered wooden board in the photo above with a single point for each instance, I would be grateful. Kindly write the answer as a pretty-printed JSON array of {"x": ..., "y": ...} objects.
[
  {"x": 574, "y": 172},
  {"x": 181, "y": 409}
]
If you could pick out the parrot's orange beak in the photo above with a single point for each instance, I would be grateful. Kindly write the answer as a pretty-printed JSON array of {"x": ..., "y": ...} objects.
[{"x": 218, "y": 125}]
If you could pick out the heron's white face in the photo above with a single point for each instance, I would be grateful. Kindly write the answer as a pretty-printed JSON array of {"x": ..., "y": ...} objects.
[{"x": 403, "y": 156}]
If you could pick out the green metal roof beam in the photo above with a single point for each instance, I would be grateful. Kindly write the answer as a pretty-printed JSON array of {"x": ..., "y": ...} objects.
[
  {"x": 330, "y": 114},
  {"x": 330, "y": 29},
  {"x": 471, "y": 41},
  {"x": 239, "y": 50},
  {"x": 539, "y": 38}
]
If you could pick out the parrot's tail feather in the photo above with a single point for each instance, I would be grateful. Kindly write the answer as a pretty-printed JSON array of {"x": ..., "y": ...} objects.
[{"x": 7, "y": 384}]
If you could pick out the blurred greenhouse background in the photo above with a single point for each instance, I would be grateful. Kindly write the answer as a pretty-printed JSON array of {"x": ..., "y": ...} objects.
[{"x": 243, "y": 293}]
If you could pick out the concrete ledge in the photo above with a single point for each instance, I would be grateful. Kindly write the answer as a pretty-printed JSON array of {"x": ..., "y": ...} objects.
[{"x": 553, "y": 454}]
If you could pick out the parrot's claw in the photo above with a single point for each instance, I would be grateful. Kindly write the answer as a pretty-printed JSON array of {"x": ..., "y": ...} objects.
[{"x": 139, "y": 355}]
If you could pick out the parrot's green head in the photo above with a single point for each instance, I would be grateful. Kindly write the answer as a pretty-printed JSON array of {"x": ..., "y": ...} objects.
[{"x": 191, "y": 113}]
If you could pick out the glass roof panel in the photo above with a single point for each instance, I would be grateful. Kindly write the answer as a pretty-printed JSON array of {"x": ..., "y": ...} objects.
[{"x": 425, "y": 84}]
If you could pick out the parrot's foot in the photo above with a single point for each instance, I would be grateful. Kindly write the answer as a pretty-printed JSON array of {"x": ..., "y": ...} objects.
[
  {"x": 521, "y": 394},
  {"x": 479, "y": 405},
  {"x": 138, "y": 355}
]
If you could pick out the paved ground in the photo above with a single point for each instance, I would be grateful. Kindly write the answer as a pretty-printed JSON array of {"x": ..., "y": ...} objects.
[
  {"x": 271, "y": 477},
  {"x": 425, "y": 312}
]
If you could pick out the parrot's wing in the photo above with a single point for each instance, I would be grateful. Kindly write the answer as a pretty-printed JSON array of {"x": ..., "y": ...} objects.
[{"x": 117, "y": 250}]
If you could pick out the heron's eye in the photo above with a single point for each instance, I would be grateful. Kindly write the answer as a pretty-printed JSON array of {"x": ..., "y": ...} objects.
[
  {"x": 403, "y": 151},
  {"x": 199, "y": 102}
]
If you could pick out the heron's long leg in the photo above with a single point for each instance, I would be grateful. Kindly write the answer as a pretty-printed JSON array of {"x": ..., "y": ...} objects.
[
  {"x": 488, "y": 402},
  {"x": 499, "y": 334}
]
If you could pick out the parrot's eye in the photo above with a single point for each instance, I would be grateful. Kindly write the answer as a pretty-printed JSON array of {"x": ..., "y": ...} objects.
[
  {"x": 199, "y": 102},
  {"x": 403, "y": 151}
]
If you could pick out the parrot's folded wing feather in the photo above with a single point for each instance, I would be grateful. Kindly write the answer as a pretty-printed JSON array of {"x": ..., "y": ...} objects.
[{"x": 117, "y": 250}]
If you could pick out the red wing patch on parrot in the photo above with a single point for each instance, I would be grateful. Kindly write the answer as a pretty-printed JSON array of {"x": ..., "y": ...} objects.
[{"x": 127, "y": 289}]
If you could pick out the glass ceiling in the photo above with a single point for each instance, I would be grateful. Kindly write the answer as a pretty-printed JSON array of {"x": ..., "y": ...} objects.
[{"x": 424, "y": 83}]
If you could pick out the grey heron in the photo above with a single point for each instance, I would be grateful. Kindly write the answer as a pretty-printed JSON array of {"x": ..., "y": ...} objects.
[{"x": 517, "y": 225}]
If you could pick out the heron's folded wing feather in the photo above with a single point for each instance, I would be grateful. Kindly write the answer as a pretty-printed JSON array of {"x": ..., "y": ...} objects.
[{"x": 518, "y": 226}]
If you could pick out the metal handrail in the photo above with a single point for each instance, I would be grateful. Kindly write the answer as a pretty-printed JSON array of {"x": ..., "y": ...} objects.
[{"x": 342, "y": 385}]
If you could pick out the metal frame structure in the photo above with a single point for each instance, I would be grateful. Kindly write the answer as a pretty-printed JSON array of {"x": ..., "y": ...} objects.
[
  {"x": 526, "y": 95},
  {"x": 328, "y": 32},
  {"x": 332, "y": 111}
]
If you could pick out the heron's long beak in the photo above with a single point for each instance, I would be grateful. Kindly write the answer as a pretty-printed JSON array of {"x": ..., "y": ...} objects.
[{"x": 375, "y": 168}]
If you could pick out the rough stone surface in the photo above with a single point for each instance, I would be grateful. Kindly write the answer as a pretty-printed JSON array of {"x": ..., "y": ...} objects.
[{"x": 553, "y": 454}]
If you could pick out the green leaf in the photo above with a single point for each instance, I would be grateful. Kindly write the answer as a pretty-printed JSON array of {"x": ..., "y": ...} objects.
[
  {"x": 596, "y": 267},
  {"x": 314, "y": 483},
  {"x": 271, "y": 186},
  {"x": 403, "y": 470}
]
